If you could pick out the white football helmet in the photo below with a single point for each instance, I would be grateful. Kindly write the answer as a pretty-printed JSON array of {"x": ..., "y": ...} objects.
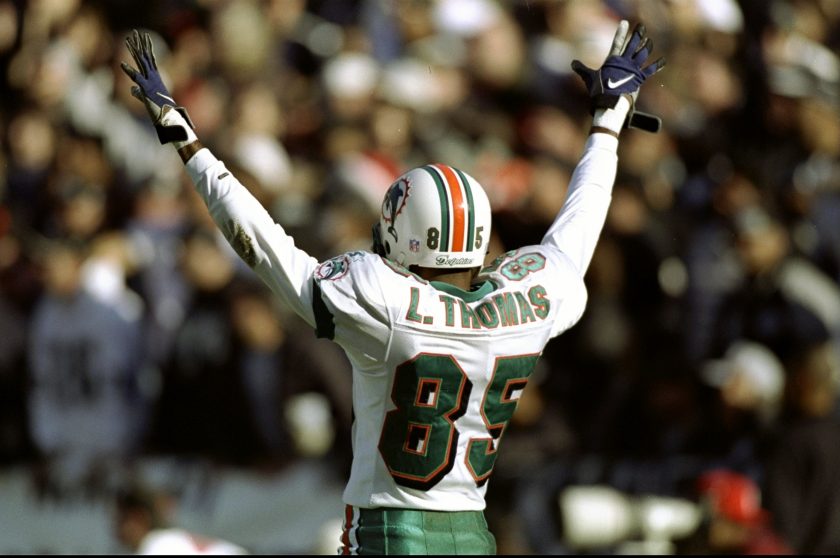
[{"x": 434, "y": 216}]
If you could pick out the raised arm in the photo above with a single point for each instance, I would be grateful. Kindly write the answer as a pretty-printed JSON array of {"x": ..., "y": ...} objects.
[
  {"x": 247, "y": 226},
  {"x": 613, "y": 89}
]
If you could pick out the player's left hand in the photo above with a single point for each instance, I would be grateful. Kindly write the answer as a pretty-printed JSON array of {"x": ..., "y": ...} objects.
[{"x": 151, "y": 90}]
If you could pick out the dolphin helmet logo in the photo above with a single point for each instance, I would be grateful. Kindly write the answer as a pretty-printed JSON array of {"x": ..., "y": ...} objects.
[{"x": 394, "y": 203}]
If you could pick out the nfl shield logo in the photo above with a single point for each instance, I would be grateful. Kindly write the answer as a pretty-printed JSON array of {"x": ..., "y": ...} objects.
[{"x": 414, "y": 245}]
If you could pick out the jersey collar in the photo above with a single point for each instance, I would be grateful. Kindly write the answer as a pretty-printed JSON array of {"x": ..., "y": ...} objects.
[{"x": 476, "y": 293}]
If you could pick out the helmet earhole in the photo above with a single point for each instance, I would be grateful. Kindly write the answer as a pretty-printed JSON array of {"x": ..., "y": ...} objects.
[{"x": 387, "y": 247}]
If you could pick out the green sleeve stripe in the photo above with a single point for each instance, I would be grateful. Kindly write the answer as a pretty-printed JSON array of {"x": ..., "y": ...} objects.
[{"x": 324, "y": 322}]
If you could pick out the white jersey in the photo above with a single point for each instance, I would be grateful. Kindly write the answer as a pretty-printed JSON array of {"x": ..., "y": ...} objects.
[{"x": 437, "y": 371}]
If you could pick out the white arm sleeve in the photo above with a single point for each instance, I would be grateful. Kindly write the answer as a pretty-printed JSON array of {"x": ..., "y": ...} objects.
[
  {"x": 576, "y": 228},
  {"x": 253, "y": 234}
]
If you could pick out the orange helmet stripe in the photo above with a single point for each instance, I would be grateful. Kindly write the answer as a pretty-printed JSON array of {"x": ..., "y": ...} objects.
[{"x": 459, "y": 208}]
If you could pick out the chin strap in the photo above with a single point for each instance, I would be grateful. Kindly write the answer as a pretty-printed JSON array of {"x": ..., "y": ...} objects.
[{"x": 378, "y": 247}]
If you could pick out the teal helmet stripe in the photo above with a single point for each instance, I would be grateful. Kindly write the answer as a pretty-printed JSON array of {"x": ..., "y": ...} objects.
[
  {"x": 470, "y": 210},
  {"x": 443, "y": 197}
]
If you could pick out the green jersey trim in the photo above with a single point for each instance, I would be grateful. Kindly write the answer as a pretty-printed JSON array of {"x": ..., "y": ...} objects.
[
  {"x": 324, "y": 321},
  {"x": 467, "y": 296}
]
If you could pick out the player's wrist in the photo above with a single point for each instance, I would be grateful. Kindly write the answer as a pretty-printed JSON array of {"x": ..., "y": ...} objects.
[
  {"x": 173, "y": 122},
  {"x": 611, "y": 120},
  {"x": 186, "y": 152}
]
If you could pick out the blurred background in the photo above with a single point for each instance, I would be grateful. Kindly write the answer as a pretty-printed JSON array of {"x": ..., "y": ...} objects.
[{"x": 693, "y": 410}]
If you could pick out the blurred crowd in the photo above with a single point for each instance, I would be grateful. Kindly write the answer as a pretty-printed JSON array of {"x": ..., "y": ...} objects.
[{"x": 129, "y": 328}]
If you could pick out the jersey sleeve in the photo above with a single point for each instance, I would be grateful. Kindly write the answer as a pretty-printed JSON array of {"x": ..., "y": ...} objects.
[
  {"x": 351, "y": 306},
  {"x": 547, "y": 279},
  {"x": 576, "y": 228},
  {"x": 253, "y": 234}
]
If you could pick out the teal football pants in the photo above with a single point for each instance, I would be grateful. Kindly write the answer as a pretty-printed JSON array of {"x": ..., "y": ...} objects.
[{"x": 400, "y": 531}]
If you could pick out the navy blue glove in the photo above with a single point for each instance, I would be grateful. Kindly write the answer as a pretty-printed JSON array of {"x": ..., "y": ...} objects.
[
  {"x": 151, "y": 90},
  {"x": 622, "y": 73}
]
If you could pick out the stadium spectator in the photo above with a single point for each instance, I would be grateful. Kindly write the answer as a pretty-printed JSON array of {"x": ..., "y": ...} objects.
[
  {"x": 201, "y": 375},
  {"x": 143, "y": 523},
  {"x": 734, "y": 518},
  {"x": 784, "y": 302},
  {"x": 801, "y": 485},
  {"x": 86, "y": 412}
]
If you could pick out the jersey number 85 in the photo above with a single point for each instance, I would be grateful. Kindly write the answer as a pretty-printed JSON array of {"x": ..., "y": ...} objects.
[{"x": 419, "y": 439}]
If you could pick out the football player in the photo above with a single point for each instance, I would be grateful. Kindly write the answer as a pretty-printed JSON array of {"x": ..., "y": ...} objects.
[{"x": 441, "y": 348}]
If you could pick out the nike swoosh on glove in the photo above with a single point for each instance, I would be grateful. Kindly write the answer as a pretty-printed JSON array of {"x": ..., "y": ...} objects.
[
  {"x": 149, "y": 88},
  {"x": 622, "y": 75},
  {"x": 624, "y": 70}
]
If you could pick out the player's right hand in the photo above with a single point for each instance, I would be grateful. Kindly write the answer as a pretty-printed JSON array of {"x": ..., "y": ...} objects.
[
  {"x": 624, "y": 70},
  {"x": 150, "y": 89},
  {"x": 622, "y": 73}
]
